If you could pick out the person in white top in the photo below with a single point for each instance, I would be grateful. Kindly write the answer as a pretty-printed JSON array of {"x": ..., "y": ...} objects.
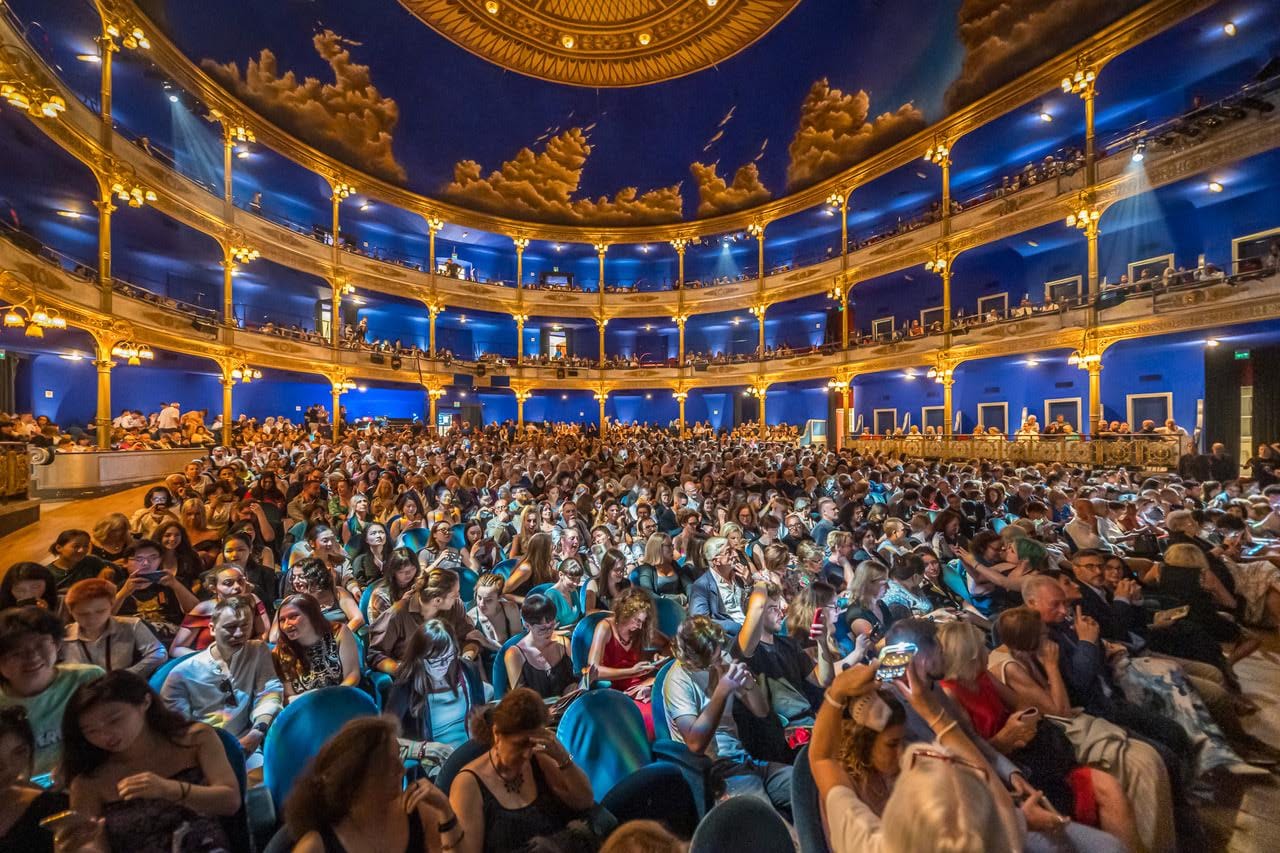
[{"x": 169, "y": 418}]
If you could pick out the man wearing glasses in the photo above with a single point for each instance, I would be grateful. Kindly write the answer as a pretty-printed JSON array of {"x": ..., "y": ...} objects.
[
  {"x": 232, "y": 684},
  {"x": 152, "y": 594}
]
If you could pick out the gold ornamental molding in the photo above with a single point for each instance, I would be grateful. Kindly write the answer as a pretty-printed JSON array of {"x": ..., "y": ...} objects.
[
  {"x": 601, "y": 43},
  {"x": 1131, "y": 30}
]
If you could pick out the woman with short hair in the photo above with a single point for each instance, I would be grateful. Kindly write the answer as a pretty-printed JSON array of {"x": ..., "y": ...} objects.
[
  {"x": 96, "y": 636},
  {"x": 540, "y": 660}
]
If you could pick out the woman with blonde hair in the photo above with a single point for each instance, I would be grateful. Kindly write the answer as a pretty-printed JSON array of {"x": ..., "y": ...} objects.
[
  {"x": 111, "y": 537},
  {"x": 383, "y": 503},
  {"x": 658, "y": 572},
  {"x": 195, "y": 522},
  {"x": 867, "y": 614},
  {"x": 525, "y": 529}
]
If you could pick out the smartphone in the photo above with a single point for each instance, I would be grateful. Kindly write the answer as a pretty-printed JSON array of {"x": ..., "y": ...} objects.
[
  {"x": 815, "y": 629},
  {"x": 894, "y": 660},
  {"x": 150, "y": 577}
]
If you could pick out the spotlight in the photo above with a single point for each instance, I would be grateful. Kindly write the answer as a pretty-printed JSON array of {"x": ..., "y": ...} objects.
[
  {"x": 1229, "y": 28},
  {"x": 1031, "y": 362},
  {"x": 173, "y": 99},
  {"x": 1046, "y": 116},
  {"x": 91, "y": 58},
  {"x": 1215, "y": 187},
  {"x": 1139, "y": 152},
  {"x": 1213, "y": 342},
  {"x": 69, "y": 214}
]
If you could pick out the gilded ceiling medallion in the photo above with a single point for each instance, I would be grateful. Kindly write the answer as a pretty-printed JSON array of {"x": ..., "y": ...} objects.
[{"x": 602, "y": 43}]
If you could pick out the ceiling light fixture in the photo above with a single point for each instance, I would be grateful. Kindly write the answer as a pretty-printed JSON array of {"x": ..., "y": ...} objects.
[
  {"x": 91, "y": 58},
  {"x": 644, "y": 39},
  {"x": 1031, "y": 362},
  {"x": 1215, "y": 187},
  {"x": 1229, "y": 28},
  {"x": 1046, "y": 116},
  {"x": 492, "y": 7},
  {"x": 133, "y": 353},
  {"x": 711, "y": 4},
  {"x": 69, "y": 214},
  {"x": 568, "y": 41},
  {"x": 173, "y": 99},
  {"x": 1139, "y": 152},
  {"x": 1213, "y": 342}
]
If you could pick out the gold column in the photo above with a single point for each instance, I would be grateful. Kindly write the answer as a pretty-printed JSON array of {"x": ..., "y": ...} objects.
[
  {"x": 841, "y": 387},
  {"x": 946, "y": 195},
  {"x": 946, "y": 299},
  {"x": 1090, "y": 156},
  {"x": 433, "y": 398},
  {"x": 107, "y": 48},
  {"x": 1091, "y": 244},
  {"x": 680, "y": 244},
  {"x": 522, "y": 243},
  {"x": 105, "y": 209},
  {"x": 335, "y": 314},
  {"x": 434, "y": 224},
  {"x": 602, "y": 397},
  {"x": 228, "y": 148},
  {"x": 228, "y": 276},
  {"x": 337, "y": 407},
  {"x": 601, "y": 248},
  {"x": 681, "y": 396},
  {"x": 758, "y": 311},
  {"x": 102, "y": 423},
  {"x": 433, "y": 311},
  {"x": 762, "y": 393},
  {"x": 601, "y": 323},
  {"x": 681, "y": 320},
  {"x": 522, "y": 397},
  {"x": 1095, "y": 393},
  {"x": 520, "y": 319},
  {"x": 227, "y": 384},
  {"x": 948, "y": 380}
]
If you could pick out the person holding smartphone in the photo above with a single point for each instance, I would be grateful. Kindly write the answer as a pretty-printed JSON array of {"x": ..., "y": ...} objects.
[{"x": 152, "y": 594}]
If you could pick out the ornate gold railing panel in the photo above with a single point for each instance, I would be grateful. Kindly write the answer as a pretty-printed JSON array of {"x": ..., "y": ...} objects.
[{"x": 1146, "y": 452}]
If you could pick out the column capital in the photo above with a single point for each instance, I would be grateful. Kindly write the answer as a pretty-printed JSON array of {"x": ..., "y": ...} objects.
[
  {"x": 944, "y": 256},
  {"x": 234, "y": 127},
  {"x": 601, "y": 322},
  {"x": 434, "y": 223},
  {"x": 601, "y": 248},
  {"x": 118, "y": 24},
  {"x": 680, "y": 319},
  {"x": 939, "y": 153},
  {"x": 680, "y": 244},
  {"x": 520, "y": 319},
  {"x": 435, "y": 309},
  {"x": 521, "y": 243},
  {"x": 758, "y": 310},
  {"x": 1083, "y": 81},
  {"x": 339, "y": 190}
]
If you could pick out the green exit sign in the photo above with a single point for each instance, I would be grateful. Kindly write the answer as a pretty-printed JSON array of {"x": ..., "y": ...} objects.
[{"x": 1242, "y": 355}]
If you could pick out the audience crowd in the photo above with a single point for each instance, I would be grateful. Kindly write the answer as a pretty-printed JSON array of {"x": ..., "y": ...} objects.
[{"x": 1009, "y": 658}]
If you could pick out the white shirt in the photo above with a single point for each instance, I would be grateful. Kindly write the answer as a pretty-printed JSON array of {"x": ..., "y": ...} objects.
[
  {"x": 194, "y": 688},
  {"x": 168, "y": 418},
  {"x": 731, "y": 595},
  {"x": 851, "y": 823},
  {"x": 685, "y": 693}
]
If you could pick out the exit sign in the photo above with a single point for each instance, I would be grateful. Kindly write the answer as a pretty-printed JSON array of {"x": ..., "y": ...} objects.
[{"x": 1242, "y": 355}]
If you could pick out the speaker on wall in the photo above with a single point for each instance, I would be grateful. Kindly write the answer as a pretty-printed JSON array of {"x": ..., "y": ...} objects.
[{"x": 395, "y": 362}]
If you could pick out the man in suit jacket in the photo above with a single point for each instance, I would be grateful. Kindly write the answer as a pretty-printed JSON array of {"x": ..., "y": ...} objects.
[
  {"x": 1119, "y": 615},
  {"x": 1222, "y": 465},
  {"x": 722, "y": 589}
]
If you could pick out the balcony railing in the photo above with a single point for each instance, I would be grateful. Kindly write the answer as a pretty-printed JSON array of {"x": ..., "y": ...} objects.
[{"x": 1148, "y": 452}]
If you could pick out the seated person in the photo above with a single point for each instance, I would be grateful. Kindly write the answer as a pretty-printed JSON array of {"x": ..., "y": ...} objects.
[
  {"x": 496, "y": 618},
  {"x": 540, "y": 660},
  {"x": 29, "y": 583},
  {"x": 434, "y": 689},
  {"x": 399, "y": 572},
  {"x": 111, "y": 642},
  {"x": 699, "y": 693},
  {"x": 151, "y": 593},
  {"x": 194, "y": 634},
  {"x": 524, "y": 786},
  {"x": 354, "y": 789},
  {"x": 312, "y": 651},
  {"x": 795, "y": 682},
  {"x": 435, "y": 596},
  {"x": 232, "y": 684},
  {"x": 25, "y": 804},
  {"x": 152, "y": 775},
  {"x": 564, "y": 594},
  {"x": 31, "y": 678}
]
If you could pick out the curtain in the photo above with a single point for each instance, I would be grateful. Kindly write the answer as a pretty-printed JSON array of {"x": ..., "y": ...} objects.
[
  {"x": 1266, "y": 397},
  {"x": 1222, "y": 375}
]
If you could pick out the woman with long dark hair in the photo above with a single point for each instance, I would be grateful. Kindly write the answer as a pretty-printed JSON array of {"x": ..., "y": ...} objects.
[
  {"x": 312, "y": 651},
  {"x": 352, "y": 797},
  {"x": 314, "y": 578},
  {"x": 29, "y": 583},
  {"x": 178, "y": 556},
  {"x": 399, "y": 573},
  {"x": 72, "y": 561},
  {"x": 603, "y": 589},
  {"x": 237, "y": 550},
  {"x": 368, "y": 564},
  {"x": 267, "y": 490},
  {"x": 155, "y": 777},
  {"x": 434, "y": 690},
  {"x": 534, "y": 569}
]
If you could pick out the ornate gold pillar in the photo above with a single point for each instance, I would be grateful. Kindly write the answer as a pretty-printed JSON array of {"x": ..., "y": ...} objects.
[
  {"x": 105, "y": 209},
  {"x": 680, "y": 319},
  {"x": 1091, "y": 244},
  {"x": 335, "y": 314},
  {"x": 601, "y": 322},
  {"x": 228, "y": 277},
  {"x": 948, "y": 411},
  {"x": 434, "y": 224},
  {"x": 602, "y": 397},
  {"x": 434, "y": 310},
  {"x": 758, "y": 311},
  {"x": 102, "y": 423},
  {"x": 227, "y": 384},
  {"x": 680, "y": 244},
  {"x": 434, "y": 393},
  {"x": 681, "y": 396},
  {"x": 522, "y": 397},
  {"x": 520, "y": 319},
  {"x": 1095, "y": 393},
  {"x": 601, "y": 248},
  {"x": 840, "y": 386},
  {"x": 521, "y": 244}
]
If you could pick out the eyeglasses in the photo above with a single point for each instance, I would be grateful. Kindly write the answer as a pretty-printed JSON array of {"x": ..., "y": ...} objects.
[
  {"x": 229, "y": 693},
  {"x": 932, "y": 755}
]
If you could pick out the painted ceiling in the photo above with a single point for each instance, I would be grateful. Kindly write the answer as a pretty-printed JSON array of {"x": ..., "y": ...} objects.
[{"x": 468, "y": 110}]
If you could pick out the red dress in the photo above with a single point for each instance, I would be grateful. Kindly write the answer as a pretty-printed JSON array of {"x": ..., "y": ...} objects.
[
  {"x": 988, "y": 714},
  {"x": 618, "y": 656}
]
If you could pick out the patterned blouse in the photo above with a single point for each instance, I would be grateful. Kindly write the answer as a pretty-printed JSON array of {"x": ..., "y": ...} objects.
[{"x": 320, "y": 665}]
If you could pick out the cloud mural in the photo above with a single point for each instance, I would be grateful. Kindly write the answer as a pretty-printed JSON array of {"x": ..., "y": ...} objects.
[
  {"x": 348, "y": 118},
  {"x": 835, "y": 132},
  {"x": 1003, "y": 39},
  {"x": 716, "y": 197},
  {"x": 542, "y": 186}
]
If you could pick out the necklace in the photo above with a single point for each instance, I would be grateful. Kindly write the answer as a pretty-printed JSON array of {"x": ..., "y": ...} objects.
[{"x": 512, "y": 785}]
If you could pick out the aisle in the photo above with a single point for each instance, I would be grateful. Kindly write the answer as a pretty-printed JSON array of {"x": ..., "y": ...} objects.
[{"x": 32, "y": 542}]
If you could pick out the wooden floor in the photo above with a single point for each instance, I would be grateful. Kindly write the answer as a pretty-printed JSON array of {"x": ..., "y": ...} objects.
[{"x": 1245, "y": 818}]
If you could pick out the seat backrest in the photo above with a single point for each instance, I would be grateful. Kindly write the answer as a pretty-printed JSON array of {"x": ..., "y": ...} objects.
[
  {"x": 953, "y": 577},
  {"x": 743, "y": 825},
  {"x": 506, "y": 567},
  {"x": 655, "y": 789},
  {"x": 670, "y": 615},
  {"x": 660, "y": 727},
  {"x": 604, "y": 732},
  {"x": 805, "y": 809},
  {"x": 157, "y": 678},
  {"x": 498, "y": 677},
  {"x": 366, "y": 597},
  {"x": 302, "y": 728},
  {"x": 415, "y": 539},
  {"x": 580, "y": 641},
  {"x": 467, "y": 586},
  {"x": 458, "y": 759},
  {"x": 458, "y": 536},
  {"x": 540, "y": 589},
  {"x": 237, "y": 824}
]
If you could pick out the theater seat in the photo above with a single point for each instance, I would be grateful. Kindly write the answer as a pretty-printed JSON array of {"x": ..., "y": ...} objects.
[
  {"x": 670, "y": 615},
  {"x": 695, "y": 768},
  {"x": 498, "y": 676},
  {"x": 458, "y": 759},
  {"x": 604, "y": 732},
  {"x": 580, "y": 641},
  {"x": 302, "y": 728},
  {"x": 741, "y": 825},
  {"x": 805, "y": 807},
  {"x": 656, "y": 791},
  {"x": 157, "y": 678}
]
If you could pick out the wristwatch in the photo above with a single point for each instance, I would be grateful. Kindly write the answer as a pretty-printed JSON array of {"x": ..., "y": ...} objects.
[{"x": 261, "y": 727}]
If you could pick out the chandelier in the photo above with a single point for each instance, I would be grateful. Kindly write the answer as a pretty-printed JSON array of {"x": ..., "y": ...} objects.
[
  {"x": 32, "y": 316},
  {"x": 21, "y": 87},
  {"x": 244, "y": 373},
  {"x": 132, "y": 352}
]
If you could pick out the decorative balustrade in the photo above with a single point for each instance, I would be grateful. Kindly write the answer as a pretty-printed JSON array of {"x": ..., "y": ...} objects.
[{"x": 1147, "y": 452}]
